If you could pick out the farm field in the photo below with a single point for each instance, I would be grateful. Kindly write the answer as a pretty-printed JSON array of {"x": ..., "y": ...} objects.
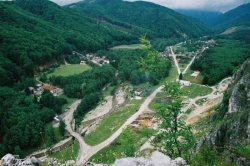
[{"x": 68, "y": 70}]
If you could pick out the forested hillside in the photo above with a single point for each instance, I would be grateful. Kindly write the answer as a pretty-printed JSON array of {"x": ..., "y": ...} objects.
[
  {"x": 165, "y": 22},
  {"x": 235, "y": 17},
  {"x": 41, "y": 31}
]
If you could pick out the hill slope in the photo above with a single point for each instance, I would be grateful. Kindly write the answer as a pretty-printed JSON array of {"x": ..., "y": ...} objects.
[
  {"x": 158, "y": 19},
  {"x": 236, "y": 17},
  {"x": 34, "y": 32}
]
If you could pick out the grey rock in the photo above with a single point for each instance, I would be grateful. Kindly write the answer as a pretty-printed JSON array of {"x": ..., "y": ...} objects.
[{"x": 157, "y": 159}]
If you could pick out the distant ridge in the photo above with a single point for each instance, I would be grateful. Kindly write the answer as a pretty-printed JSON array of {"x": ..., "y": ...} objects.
[
  {"x": 204, "y": 16},
  {"x": 239, "y": 16}
]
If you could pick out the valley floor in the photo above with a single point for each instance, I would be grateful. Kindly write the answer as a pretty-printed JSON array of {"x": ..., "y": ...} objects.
[{"x": 198, "y": 110}]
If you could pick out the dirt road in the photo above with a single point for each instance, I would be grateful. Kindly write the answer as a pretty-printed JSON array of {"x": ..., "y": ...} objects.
[
  {"x": 214, "y": 98},
  {"x": 175, "y": 61},
  {"x": 93, "y": 150},
  {"x": 68, "y": 118}
]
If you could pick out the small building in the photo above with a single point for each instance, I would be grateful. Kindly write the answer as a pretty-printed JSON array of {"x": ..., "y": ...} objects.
[
  {"x": 195, "y": 73},
  {"x": 138, "y": 92},
  {"x": 185, "y": 83}
]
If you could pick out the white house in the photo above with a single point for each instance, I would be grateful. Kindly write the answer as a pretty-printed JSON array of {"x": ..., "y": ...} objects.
[{"x": 185, "y": 83}]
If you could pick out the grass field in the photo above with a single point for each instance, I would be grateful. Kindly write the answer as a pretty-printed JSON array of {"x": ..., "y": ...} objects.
[
  {"x": 182, "y": 66},
  {"x": 132, "y": 46},
  {"x": 196, "y": 90},
  {"x": 68, "y": 70},
  {"x": 112, "y": 123},
  {"x": 69, "y": 153}
]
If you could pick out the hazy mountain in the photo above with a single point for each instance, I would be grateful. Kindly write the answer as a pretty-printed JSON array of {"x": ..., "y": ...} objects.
[
  {"x": 204, "y": 16},
  {"x": 239, "y": 16}
]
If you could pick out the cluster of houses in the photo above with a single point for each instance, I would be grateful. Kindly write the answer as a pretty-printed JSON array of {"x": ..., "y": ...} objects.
[
  {"x": 91, "y": 57},
  {"x": 39, "y": 88}
]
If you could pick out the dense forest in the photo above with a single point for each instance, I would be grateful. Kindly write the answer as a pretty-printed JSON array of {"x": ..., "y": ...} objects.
[{"x": 23, "y": 119}]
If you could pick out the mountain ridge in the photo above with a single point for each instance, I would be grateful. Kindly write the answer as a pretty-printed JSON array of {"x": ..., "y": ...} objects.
[
  {"x": 236, "y": 17},
  {"x": 151, "y": 16}
]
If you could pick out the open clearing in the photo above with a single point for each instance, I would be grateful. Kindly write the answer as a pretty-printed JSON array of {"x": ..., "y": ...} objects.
[
  {"x": 196, "y": 90},
  {"x": 68, "y": 70}
]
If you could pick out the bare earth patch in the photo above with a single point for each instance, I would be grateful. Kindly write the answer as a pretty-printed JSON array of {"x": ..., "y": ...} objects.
[{"x": 100, "y": 110}]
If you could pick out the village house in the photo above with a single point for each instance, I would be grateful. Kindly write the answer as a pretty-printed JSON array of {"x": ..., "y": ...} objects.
[
  {"x": 195, "y": 73},
  {"x": 138, "y": 92},
  {"x": 49, "y": 87}
]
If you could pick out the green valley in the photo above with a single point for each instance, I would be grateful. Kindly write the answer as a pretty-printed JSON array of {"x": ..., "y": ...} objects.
[{"x": 98, "y": 80}]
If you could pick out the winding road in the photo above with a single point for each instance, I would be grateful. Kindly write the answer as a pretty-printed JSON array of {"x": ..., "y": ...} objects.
[{"x": 86, "y": 151}]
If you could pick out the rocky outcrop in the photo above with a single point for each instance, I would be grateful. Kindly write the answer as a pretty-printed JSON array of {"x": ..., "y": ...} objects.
[
  {"x": 233, "y": 117},
  {"x": 240, "y": 88},
  {"x": 157, "y": 159},
  {"x": 11, "y": 160}
]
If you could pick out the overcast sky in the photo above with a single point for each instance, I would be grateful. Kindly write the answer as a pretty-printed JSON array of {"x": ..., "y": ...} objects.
[{"x": 211, "y": 5}]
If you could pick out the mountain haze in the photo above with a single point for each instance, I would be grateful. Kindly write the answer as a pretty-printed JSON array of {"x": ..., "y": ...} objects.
[
  {"x": 235, "y": 17},
  {"x": 204, "y": 16}
]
